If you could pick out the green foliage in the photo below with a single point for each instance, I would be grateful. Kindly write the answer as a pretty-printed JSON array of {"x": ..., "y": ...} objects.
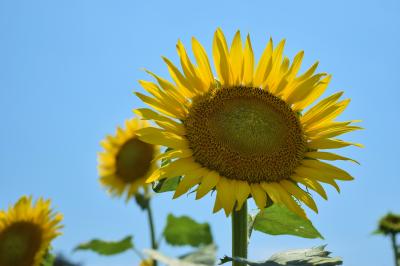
[
  {"x": 181, "y": 231},
  {"x": 167, "y": 184},
  {"x": 317, "y": 256},
  {"x": 278, "y": 220},
  {"x": 107, "y": 247},
  {"x": 48, "y": 259},
  {"x": 204, "y": 256}
]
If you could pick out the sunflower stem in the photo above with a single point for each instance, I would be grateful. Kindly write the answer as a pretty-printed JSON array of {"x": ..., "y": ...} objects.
[
  {"x": 239, "y": 234},
  {"x": 154, "y": 244},
  {"x": 395, "y": 249}
]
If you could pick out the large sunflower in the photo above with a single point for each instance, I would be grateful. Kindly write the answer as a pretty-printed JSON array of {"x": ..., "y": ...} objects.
[
  {"x": 26, "y": 231},
  {"x": 245, "y": 132},
  {"x": 126, "y": 161}
]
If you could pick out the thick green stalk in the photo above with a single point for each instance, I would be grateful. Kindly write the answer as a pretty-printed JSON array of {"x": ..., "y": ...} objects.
[
  {"x": 395, "y": 249},
  {"x": 239, "y": 234},
  {"x": 154, "y": 244}
]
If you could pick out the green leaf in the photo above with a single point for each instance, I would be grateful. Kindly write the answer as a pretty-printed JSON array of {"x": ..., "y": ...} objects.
[
  {"x": 107, "y": 247},
  {"x": 278, "y": 220},
  {"x": 206, "y": 255},
  {"x": 181, "y": 231},
  {"x": 317, "y": 256},
  {"x": 170, "y": 261},
  {"x": 48, "y": 259},
  {"x": 167, "y": 184}
]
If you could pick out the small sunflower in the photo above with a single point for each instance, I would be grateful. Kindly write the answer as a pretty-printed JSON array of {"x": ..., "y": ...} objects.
[
  {"x": 126, "y": 161},
  {"x": 245, "y": 133},
  {"x": 389, "y": 224},
  {"x": 26, "y": 231}
]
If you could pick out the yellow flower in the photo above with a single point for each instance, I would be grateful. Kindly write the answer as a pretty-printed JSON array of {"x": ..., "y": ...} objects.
[
  {"x": 245, "y": 133},
  {"x": 26, "y": 231},
  {"x": 126, "y": 161}
]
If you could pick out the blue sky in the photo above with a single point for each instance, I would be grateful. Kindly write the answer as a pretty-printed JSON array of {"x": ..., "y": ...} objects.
[{"x": 68, "y": 70}]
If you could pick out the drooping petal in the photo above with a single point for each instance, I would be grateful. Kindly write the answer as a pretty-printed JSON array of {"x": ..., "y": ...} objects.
[
  {"x": 208, "y": 182},
  {"x": 299, "y": 194},
  {"x": 259, "y": 195}
]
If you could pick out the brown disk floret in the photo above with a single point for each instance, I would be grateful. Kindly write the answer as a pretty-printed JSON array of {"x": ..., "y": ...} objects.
[{"x": 245, "y": 133}]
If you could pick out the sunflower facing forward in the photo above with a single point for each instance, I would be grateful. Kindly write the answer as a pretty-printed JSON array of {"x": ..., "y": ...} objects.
[
  {"x": 26, "y": 231},
  {"x": 127, "y": 161},
  {"x": 244, "y": 133}
]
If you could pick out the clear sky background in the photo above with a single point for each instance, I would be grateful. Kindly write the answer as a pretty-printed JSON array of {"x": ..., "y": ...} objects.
[{"x": 68, "y": 70}]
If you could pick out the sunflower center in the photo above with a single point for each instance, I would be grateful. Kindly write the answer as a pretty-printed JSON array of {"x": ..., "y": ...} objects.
[
  {"x": 19, "y": 244},
  {"x": 245, "y": 133},
  {"x": 133, "y": 160}
]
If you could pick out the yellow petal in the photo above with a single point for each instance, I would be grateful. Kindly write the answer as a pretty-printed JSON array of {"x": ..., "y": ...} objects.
[
  {"x": 322, "y": 105},
  {"x": 328, "y": 156},
  {"x": 315, "y": 94},
  {"x": 173, "y": 154},
  {"x": 203, "y": 62},
  {"x": 264, "y": 65},
  {"x": 299, "y": 194},
  {"x": 179, "y": 167},
  {"x": 272, "y": 191},
  {"x": 157, "y": 136},
  {"x": 289, "y": 202},
  {"x": 236, "y": 56},
  {"x": 311, "y": 183},
  {"x": 188, "y": 181},
  {"x": 259, "y": 195},
  {"x": 330, "y": 144},
  {"x": 327, "y": 115},
  {"x": 188, "y": 69},
  {"x": 242, "y": 191},
  {"x": 162, "y": 121},
  {"x": 314, "y": 174},
  {"x": 208, "y": 182},
  {"x": 248, "y": 63},
  {"x": 217, "y": 204},
  {"x": 334, "y": 132},
  {"x": 308, "y": 73},
  {"x": 181, "y": 81},
  {"x": 328, "y": 169},
  {"x": 227, "y": 196},
  {"x": 160, "y": 106},
  {"x": 304, "y": 89},
  {"x": 220, "y": 55}
]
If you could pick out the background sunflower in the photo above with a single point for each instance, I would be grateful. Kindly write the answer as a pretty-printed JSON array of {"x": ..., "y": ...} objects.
[
  {"x": 126, "y": 161},
  {"x": 26, "y": 231}
]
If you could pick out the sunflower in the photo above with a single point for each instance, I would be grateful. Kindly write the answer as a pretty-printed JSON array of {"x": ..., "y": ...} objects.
[
  {"x": 389, "y": 224},
  {"x": 126, "y": 161},
  {"x": 246, "y": 132},
  {"x": 26, "y": 231}
]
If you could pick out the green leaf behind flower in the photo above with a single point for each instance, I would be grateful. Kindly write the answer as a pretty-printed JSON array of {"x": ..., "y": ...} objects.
[{"x": 279, "y": 220}]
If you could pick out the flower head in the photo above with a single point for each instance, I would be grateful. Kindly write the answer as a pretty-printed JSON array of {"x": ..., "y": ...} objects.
[
  {"x": 126, "y": 161},
  {"x": 245, "y": 133},
  {"x": 26, "y": 231},
  {"x": 389, "y": 224}
]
